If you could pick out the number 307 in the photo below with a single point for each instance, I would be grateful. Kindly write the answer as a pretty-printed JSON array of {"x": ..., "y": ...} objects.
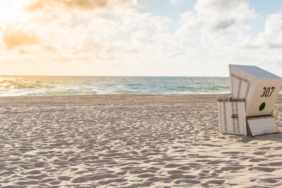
[{"x": 267, "y": 92}]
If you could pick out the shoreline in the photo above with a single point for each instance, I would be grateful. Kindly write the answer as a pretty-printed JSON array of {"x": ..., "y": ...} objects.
[
  {"x": 130, "y": 140},
  {"x": 141, "y": 94}
]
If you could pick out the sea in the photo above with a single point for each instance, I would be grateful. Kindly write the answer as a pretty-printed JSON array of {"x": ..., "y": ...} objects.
[{"x": 95, "y": 85}]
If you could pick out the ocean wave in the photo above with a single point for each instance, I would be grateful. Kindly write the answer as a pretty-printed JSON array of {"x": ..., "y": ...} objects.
[{"x": 126, "y": 92}]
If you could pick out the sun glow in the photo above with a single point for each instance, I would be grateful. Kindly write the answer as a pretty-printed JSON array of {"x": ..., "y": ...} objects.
[{"x": 10, "y": 10}]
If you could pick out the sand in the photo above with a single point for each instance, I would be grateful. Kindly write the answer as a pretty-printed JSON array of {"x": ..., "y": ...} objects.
[{"x": 130, "y": 141}]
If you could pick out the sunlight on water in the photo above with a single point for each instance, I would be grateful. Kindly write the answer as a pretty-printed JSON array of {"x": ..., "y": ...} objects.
[{"x": 40, "y": 86}]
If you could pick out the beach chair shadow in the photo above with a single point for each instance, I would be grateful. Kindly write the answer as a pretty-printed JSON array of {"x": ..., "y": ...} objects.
[{"x": 276, "y": 137}]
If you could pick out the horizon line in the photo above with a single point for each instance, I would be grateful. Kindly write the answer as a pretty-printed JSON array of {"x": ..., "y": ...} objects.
[{"x": 107, "y": 76}]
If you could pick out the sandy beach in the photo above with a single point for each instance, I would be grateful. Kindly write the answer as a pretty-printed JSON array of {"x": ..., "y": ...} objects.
[{"x": 130, "y": 141}]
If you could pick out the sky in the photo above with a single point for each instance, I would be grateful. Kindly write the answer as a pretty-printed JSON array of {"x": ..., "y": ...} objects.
[{"x": 139, "y": 37}]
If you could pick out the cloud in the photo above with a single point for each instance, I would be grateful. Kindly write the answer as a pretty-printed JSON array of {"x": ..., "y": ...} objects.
[
  {"x": 159, "y": 44},
  {"x": 221, "y": 24},
  {"x": 21, "y": 51},
  {"x": 48, "y": 48},
  {"x": 16, "y": 37},
  {"x": 104, "y": 32},
  {"x": 137, "y": 20},
  {"x": 99, "y": 47},
  {"x": 219, "y": 7},
  {"x": 82, "y": 4},
  {"x": 214, "y": 17},
  {"x": 174, "y": 1},
  {"x": 128, "y": 22},
  {"x": 140, "y": 38},
  {"x": 269, "y": 38}
]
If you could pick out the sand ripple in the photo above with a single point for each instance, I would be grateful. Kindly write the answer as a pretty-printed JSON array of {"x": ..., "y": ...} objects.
[{"x": 130, "y": 141}]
